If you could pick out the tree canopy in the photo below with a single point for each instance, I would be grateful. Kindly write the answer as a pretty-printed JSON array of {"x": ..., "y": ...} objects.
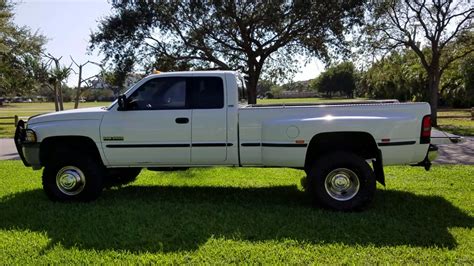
[
  {"x": 250, "y": 36},
  {"x": 401, "y": 76},
  {"x": 435, "y": 24},
  {"x": 336, "y": 79},
  {"x": 20, "y": 50},
  {"x": 397, "y": 76}
]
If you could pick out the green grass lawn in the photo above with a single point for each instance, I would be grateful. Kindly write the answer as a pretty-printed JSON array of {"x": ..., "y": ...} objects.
[
  {"x": 459, "y": 126},
  {"x": 30, "y": 109},
  {"x": 225, "y": 215},
  {"x": 463, "y": 126}
]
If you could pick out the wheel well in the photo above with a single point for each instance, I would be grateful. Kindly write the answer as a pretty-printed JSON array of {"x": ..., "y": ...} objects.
[
  {"x": 360, "y": 143},
  {"x": 52, "y": 147}
]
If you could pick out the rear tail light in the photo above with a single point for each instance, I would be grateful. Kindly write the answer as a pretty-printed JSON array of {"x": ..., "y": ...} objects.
[{"x": 425, "y": 130}]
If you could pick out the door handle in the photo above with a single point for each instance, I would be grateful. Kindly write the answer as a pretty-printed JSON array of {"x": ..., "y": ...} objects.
[{"x": 182, "y": 120}]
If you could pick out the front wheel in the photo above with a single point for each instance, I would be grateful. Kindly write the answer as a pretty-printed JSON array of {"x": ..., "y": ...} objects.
[
  {"x": 73, "y": 179},
  {"x": 341, "y": 181}
]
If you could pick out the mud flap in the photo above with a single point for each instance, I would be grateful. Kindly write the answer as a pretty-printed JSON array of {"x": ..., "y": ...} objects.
[
  {"x": 431, "y": 155},
  {"x": 378, "y": 168}
]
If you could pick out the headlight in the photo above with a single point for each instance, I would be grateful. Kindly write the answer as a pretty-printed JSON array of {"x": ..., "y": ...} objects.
[{"x": 30, "y": 136}]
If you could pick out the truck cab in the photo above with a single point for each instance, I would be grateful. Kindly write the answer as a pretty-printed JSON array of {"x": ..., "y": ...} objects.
[{"x": 174, "y": 119}]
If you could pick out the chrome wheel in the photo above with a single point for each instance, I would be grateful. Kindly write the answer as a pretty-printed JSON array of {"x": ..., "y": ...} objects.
[
  {"x": 342, "y": 184},
  {"x": 70, "y": 180}
]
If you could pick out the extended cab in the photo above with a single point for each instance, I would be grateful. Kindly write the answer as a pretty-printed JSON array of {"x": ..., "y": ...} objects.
[{"x": 198, "y": 119}]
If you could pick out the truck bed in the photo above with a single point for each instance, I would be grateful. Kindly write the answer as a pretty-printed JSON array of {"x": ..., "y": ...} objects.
[
  {"x": 277, "y": 135},
  {"x": 362, "y": 102}
]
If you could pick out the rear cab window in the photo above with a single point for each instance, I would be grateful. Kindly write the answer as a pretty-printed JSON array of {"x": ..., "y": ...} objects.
[
  {"x": 208, "y": 93},
  {"x": 242, "y": 88}
]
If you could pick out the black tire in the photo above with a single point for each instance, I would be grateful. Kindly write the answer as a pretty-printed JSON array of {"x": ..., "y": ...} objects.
[
  {"x": 117, "y": 177},
  {"x": 92, "y": 172},
  {"x": 341, "y": 181}
]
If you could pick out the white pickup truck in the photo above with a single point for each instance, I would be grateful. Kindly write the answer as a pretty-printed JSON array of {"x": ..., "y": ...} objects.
[{"x": 198, "y": 119}]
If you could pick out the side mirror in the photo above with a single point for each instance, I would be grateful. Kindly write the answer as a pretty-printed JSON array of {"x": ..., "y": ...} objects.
[{"x": 122, "y": 103}]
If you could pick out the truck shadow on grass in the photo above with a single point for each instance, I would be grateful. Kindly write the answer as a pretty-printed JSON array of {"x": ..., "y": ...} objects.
[{"x": 168, "y": 218}]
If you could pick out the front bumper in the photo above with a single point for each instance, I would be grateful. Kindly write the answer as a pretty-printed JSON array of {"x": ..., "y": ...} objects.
[{"x": 29, "y": 152}]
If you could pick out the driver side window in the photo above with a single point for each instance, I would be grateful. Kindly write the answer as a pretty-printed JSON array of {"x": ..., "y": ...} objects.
[{"x": 159, "y": 94}]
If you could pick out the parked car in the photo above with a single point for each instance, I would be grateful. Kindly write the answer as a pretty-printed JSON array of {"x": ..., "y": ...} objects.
[{"x": 199, "y": 119}]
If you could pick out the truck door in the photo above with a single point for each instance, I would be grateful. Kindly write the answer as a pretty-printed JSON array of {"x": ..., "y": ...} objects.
[
  {"x": 155, "y": 128},
  {"x": 209, "y": 120}
]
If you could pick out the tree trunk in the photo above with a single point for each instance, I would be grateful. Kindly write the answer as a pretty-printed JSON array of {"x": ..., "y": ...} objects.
[
  {"x": 57, "y": 88},
  {"x": 56, "y": 100},
  {"x": 61, "y": 101},
  {"x": 78, "y": 89},
  {"x": 255, "y": 69},
  {"x": 252, "y": 87},
  {"x": 78, "y": 95},
  {"x": 252, "y": 92},
  {"x": 434, "y": 78}
]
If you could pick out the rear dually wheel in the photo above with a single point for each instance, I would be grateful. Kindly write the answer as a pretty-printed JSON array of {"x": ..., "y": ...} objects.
[{"x": 341, "y": 181}]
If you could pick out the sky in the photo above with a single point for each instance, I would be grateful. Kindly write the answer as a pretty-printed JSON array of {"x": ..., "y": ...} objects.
[{"x": 67, "y": 24}]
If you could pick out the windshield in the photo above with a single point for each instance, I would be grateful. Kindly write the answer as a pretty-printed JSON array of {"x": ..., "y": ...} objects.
[
  {"x": 126, "y": 92},
  {"x": 112, "y": 104}
]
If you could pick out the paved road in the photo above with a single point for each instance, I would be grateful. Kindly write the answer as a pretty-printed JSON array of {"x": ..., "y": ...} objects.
[
  {"x": 8, "y": 150},
  {"x": 461, "y": 153}
]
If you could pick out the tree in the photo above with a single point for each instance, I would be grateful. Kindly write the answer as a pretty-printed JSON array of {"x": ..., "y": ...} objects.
[
  {"x": 20, "y": 49},
  {"x": 55, "y": 75},
  {"x": 297, "y": 86},
  {"x": 82, "y": 80},
  {"x": 265, "y": 86},
  {"x": 275, "y": 92},
  {"x": 339, "y": 78},
  {"x": 401, "y": 76},
  {"x": 414, "y": 23},
  {"x": 249, "y": 36},
  {"x": 457, "y": 84},
  {"x": 118, "y": 76},
  {"x": 397, "y": 76},
  {"x": 467, "y": 70}
]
